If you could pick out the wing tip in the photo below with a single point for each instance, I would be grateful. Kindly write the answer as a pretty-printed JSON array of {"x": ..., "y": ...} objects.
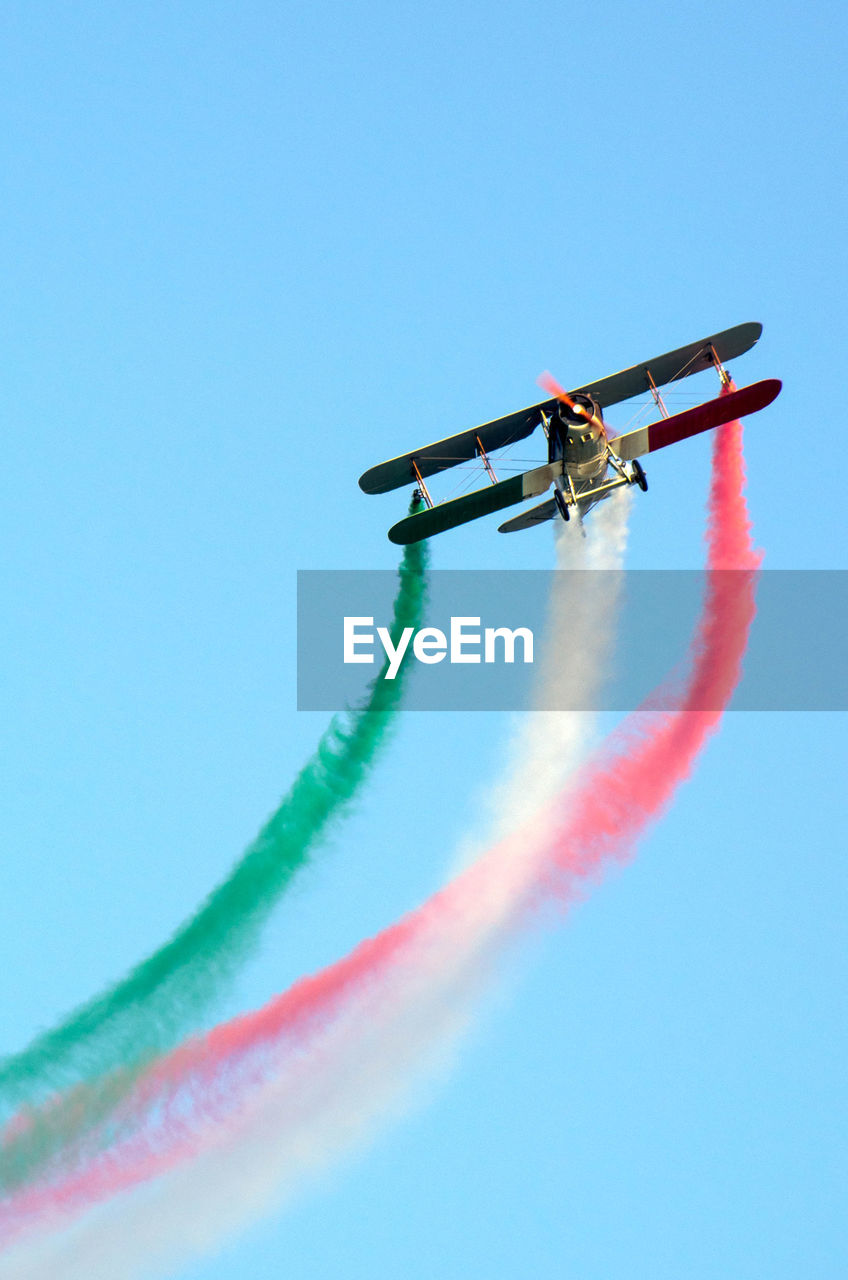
[
  {"x": 369, "y": 480},
  {"x": 768, "y": 390},
  {"x": 402, "y": 533}
]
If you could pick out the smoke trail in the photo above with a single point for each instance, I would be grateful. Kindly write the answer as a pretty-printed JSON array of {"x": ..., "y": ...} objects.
[
  {"x": 546, "y": 745},
  {"x": 443, "y": 944},
  {"x": 549, "y": 744},
  {"x": 169, "y": 992},
  {"x": 653, "y": 752}
]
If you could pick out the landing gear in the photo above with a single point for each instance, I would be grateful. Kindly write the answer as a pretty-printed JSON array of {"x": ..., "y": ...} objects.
[
  {"x": 562, "y": 505},
  {"x": 638, "y": 476}
]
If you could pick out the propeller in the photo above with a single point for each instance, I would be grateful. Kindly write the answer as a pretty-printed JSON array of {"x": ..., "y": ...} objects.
[{"x": 549, "y": 383}]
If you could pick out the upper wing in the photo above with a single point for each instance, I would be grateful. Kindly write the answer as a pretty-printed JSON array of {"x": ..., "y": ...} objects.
[
  {"x": 634, "y": 381},
  {"x": 453, "y": 450},
  {"x": 633, "y": 444},
  {"x": 674, "y": 365},
  {"x": 447, "y": 515}
]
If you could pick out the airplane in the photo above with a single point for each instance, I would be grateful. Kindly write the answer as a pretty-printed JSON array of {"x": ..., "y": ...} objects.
[{"x": 586, "y": 461}]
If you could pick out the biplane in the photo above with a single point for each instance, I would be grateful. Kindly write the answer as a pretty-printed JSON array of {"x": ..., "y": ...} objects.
[{"x": 586, "y": 461}]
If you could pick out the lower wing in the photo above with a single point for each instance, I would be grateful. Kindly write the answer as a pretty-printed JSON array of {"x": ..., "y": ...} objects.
[
  {"x": 634, "y": 444},
  {"x": 447, "y": 515}
]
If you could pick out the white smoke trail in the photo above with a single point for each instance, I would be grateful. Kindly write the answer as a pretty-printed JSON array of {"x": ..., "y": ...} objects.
[
  {"x": 358, "y": 1073},
  {"x": 365, "y": 1066},
  {"x": 546, "y": 746},
  {"x": 291, "y": 1130}
]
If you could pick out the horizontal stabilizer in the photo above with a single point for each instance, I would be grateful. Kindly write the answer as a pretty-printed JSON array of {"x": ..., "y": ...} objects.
[
  {"x": 536, "y": 515},
  {"x": 634, "y": 444},
  {"x": 447, "y": 515}
]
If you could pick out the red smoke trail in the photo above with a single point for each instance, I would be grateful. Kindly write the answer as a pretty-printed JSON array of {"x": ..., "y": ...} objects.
[
  {"x": 628, "y": 783},
  {"x": 653, "y": 752}
]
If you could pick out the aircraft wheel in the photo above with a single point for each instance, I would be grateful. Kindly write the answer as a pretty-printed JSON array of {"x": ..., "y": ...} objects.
[
  {"x": 639, "y": 475},
  {"x": 562, "y": 505}
]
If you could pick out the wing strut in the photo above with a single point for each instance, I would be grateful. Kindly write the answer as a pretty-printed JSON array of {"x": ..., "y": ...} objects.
[
  {"x": 484, "y": 458},
  {"x": 720, "y": 370},
  {"x": 425, "y": 492},
  {"x": 724, "y": 378},
  {"x": 658, "y": 400}
]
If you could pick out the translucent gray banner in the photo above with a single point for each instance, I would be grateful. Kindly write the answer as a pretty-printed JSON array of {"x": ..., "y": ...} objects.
[{"x": 501, "y": 640}]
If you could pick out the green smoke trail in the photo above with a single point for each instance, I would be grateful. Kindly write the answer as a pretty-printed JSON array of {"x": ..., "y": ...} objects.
[{"x": 169, "y": 992}]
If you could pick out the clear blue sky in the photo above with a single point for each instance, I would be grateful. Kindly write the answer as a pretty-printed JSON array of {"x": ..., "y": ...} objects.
[{"x": 247, "y": 251}]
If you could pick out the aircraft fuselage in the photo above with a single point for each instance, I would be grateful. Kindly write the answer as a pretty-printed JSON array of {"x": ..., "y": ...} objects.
[{"x": 576, "y": 435}]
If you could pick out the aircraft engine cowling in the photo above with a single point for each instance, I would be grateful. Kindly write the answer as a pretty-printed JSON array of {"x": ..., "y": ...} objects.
[{"x": 582, "y": 409}]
